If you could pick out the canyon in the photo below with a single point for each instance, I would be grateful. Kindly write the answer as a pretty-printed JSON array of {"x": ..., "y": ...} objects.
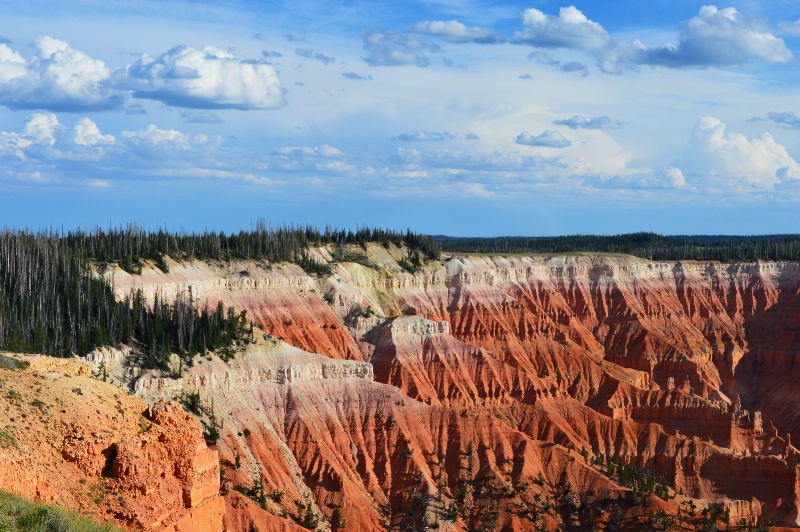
[{"x": 472, "y": 392}]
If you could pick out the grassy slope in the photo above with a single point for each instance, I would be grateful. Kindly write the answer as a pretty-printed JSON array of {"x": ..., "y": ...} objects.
[{"x": 17, "y": 513}]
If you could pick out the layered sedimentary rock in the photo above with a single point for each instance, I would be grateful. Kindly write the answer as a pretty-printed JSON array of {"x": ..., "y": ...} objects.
[
  {"x": 281, "y": 299},
  {"x": 337, "y": 439},
  {"x": 170, "y": 475},
  {"x": 686, "y": 368}
]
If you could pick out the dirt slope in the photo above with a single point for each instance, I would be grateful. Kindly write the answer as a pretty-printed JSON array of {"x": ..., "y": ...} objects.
[{"x": 90, "y": 446}]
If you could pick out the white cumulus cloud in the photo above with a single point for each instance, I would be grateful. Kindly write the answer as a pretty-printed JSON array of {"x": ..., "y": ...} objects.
[
  {"x": 86, "y": 133},
  {"x": 570, "y": 29},
  {"x": 42, "y": 128},
  {"x": 713, "y": 38},
  {"x": 720, "y": 37},
  {"x": 760, "y": 161},
  {"x": 208, "y": 78},
  {"x": 675, "y": 177},
  {"x": 44, "y": 139},
  {"x": 154, "y": 137},
  {"x": 13, "y": 144},
  {"x": 57, "y": 77}
]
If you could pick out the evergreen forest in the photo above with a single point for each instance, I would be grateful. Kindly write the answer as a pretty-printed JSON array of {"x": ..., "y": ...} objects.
[
  {"x": 645, "y": 245},
  {"x": 51, "y": 302}
]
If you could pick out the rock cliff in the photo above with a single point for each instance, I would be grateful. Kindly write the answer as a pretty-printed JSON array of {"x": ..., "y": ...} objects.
[
  {"x": 87, "y": 445},
  {"x": 462, "y": 393}
]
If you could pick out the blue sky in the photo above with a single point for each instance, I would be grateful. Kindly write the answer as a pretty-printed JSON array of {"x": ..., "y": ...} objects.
[{"x": 449, "y": 117}]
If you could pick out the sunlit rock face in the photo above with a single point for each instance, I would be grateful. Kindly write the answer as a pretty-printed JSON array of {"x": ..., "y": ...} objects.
[{"x": 374, "y": 383}]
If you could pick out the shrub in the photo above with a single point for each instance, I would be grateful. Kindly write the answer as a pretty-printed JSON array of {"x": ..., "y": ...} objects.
[
  {"x": 8, "y": 440},
  {"x": 38, "y": 403}
]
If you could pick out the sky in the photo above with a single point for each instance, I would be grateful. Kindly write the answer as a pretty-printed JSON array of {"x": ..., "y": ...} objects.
[{"x": 457, "y": 117}]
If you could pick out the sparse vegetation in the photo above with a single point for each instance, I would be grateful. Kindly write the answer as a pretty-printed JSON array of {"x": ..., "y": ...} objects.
[
  {"x": 7, "y": 362},
  {"x": 212, "y": 427},
  {"x": 629, "y": 475},
  {"x": 413, "y": 263},
  {"x": 191, "y": 402},
  {"x": 306, "y": 516},
  {"x": 7, "y": 441},
  {"x": 18, "y": 514}
]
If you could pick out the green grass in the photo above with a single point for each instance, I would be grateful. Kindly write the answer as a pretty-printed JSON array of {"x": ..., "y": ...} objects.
[{"x": 18, "y": 514}]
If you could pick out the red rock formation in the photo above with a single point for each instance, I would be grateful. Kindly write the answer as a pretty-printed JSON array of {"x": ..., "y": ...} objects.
[
  {"x": 338, "y": 439},
  {"x": 85, "y": 444},
  {"x": 282, "y": 299},
  {"x": 242, "y": 513},
  {"x": 620, "y": 356},
  {"x": 165, "y": 469}
]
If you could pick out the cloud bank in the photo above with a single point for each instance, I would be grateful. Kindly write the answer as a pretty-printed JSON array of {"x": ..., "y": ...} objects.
[{"x": 713, "y": 38}]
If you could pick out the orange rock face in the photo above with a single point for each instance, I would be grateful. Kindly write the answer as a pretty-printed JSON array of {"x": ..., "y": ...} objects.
[
  {"x": 170, "y": 476},
  {"x": 88, "y": 446},
  {"x": 489, "y": 374}
]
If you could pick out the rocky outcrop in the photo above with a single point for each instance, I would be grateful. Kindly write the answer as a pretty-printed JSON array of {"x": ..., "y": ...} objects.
[
  {"x": 268, "y": 361},
  {"x": 89, "y": 446},
  {"x": 64, "y": 366},
  {"x": 242, "y": 513},
  {"x": 280, "y": 298},
  {"x": 170, "y": 476}
]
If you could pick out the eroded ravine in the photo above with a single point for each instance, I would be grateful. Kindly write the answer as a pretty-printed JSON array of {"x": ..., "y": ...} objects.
[{"x": 687, "y": 368}]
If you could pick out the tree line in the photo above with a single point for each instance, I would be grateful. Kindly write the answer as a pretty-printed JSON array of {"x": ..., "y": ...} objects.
[
  {"x": 645, "y": 245},
  {"x": 52, "y": 303},
  {"x": 286, "y": 243}
]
